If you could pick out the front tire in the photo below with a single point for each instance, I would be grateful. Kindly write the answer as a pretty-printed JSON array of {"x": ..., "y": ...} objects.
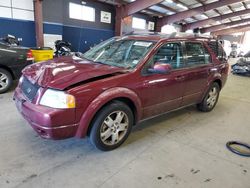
[
  {"x": 211, "y": 98},
  {"x": 5, "y": 80},
  {"x": 111, "y": 126}
]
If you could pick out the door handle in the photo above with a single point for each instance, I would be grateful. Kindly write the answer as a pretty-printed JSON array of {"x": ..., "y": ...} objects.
[{"x": 179, "y": 78}]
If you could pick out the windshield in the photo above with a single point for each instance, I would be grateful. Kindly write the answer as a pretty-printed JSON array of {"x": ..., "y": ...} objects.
[{"x": 125, "y": 53}]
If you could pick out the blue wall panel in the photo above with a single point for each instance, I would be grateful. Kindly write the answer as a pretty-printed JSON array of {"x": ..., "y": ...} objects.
[
  {"x": 72, "y": 35},
  {"x": 19, "y": 28},
  {"x": 84, "y": 38},
  {"x": 80, "y": 38},
  {"x": 50, "y": 28}
]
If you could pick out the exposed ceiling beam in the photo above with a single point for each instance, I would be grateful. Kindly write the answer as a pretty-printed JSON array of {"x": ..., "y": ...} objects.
[
  {"x": 245, "y": 5},
  {"x": 223, "y": 26},
  {"x": 156, "y": 13},
  {"x": 214, "y": 19},
  {"x": 232, "y": 30},
  {"x": 112, "y": 2},
  {"x": 203, "y": 3},
  {"x": 230, "y": 8},
  {"x": 198, "y": 10},
  {"x": 167, "y": 8},
  {"x": 215, "y": 10},
  {"x": 137, "y": 6},
  {"x": 184, "y": 4}
]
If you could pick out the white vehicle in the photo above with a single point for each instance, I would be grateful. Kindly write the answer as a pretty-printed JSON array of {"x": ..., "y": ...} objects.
[{"x": 227, "y": 46}]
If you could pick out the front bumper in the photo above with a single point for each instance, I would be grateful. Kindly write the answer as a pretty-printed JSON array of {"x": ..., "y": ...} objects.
[{"x": 47, "y": 122}]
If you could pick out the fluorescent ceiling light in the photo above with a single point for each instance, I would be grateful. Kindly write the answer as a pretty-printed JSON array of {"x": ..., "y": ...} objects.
[
  {"x": 169, "y": 1},
  {"x": 170, "y": 13},
  {"x": 181, "y": 6},
  {"x": 204, "y": 16}
]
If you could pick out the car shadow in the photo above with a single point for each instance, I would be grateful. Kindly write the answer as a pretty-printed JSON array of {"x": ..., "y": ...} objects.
[
  {"x": 162, "y": 124},
  {"x": 13, "y": 87}
]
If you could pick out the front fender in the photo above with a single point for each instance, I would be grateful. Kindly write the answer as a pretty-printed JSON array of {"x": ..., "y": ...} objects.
[{"x": 103, "y": 99}]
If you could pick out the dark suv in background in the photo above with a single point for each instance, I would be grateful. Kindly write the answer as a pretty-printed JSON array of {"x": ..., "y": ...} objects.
[{"x": 120, "y": 82}]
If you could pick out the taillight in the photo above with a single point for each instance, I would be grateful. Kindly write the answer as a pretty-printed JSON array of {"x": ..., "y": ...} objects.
[{"x": 30, "y": 56}]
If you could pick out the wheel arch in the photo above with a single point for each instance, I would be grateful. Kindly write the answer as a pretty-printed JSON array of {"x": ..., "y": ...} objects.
[
  {"x": 219, "y": 82},
  {"x": 9, "y": 70},
  {"x": 125, "y": 100},
  {"x": 216, "y": 79},
  {"x": 125, "y": 95}
]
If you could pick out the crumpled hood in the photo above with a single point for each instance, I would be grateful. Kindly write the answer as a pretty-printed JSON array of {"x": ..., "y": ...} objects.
[{"x": 63, "y": 72}]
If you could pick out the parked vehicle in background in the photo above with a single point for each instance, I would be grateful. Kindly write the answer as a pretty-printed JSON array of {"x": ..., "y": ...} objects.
[
  {"x": 242, "y": 66},
  {"x": 10, "y": 40},
  {"x": 241, "y": 54},
  {"x": 13, "y": 59},
  {"x": 119, "y": 83},
  {"x": 63, "y": 48},
  {"x": 235, "y": 50},
  {"x": 226, "y": 44}
]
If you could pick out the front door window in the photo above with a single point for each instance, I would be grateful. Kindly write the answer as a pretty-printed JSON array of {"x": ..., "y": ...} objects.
[{"x": 170, "y": 53}]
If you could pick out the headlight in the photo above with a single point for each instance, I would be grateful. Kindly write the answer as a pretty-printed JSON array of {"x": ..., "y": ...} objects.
[{"x": 57, "y": 99}]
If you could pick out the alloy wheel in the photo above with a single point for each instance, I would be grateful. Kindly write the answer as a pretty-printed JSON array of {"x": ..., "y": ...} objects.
[
  {"x": 114, "y": 128},
  {"x": 212, "y": 97},
  {"x": 3, "y": 81}
]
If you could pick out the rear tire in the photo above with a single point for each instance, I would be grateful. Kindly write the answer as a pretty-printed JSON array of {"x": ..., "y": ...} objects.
[
  {"x": 111, "y": 126},
  {"x": 211, "y": 98},
  {"x": 5, "y": 80}
]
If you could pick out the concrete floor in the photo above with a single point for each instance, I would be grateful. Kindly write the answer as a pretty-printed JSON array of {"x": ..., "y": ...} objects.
[{"x": 181, "y": 149}]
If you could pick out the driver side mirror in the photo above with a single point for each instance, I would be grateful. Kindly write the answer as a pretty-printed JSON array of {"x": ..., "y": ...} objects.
[{"x": 160, "y": 68}]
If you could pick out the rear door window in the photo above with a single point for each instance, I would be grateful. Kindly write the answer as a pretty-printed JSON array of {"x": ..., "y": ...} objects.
[{"x": 196, "y": 54}]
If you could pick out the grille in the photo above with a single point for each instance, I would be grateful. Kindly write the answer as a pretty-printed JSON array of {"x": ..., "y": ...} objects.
[{"x": 29, "y": 89}]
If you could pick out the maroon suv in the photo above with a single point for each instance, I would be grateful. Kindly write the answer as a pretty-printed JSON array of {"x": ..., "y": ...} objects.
[{"x": 118, "y": 83}]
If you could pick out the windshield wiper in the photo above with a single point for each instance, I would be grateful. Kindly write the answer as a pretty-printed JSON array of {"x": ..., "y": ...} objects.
[{"x": 99, "y": 62}]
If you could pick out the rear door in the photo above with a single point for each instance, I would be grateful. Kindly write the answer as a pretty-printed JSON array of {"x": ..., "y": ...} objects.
[{"x": 198, "y": 64}]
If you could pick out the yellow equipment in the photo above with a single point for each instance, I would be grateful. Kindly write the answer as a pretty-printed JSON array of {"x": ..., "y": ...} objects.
[{"x": 42, "y": 54}]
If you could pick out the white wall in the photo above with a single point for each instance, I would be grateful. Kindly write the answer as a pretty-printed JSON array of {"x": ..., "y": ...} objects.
[
  {"x": 49, "y": 40},
  {"x": 17, "y": 9},
  {"x": 246, "y": 43}
]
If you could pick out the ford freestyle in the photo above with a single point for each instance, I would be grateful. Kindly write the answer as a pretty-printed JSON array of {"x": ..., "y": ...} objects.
[{"x": 119, "y": 83}]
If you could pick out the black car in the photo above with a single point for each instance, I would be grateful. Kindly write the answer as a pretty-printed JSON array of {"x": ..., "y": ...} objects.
[{"x": 13, "y": 59}]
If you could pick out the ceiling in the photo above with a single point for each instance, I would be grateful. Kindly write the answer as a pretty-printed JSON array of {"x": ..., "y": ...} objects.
[{"x": 171, "y": 7}]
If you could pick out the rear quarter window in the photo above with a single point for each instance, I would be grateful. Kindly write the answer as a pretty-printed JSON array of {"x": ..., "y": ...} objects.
[{"x": 217, "y": 49}]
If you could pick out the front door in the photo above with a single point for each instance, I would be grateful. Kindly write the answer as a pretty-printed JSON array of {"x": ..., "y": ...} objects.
[{"x": 163, "y": 92}]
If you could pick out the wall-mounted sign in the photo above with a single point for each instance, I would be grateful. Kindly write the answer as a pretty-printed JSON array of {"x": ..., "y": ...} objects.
[
  {"x": 105, "y": 17},
  {"x": 151, "y": 26}
]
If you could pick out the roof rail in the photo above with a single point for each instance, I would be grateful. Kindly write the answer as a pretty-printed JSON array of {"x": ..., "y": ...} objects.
[
  {"x": 141, "y": 33},
  {"x": 182, "y": 34},
  {"x": 171, "y": 35}
]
